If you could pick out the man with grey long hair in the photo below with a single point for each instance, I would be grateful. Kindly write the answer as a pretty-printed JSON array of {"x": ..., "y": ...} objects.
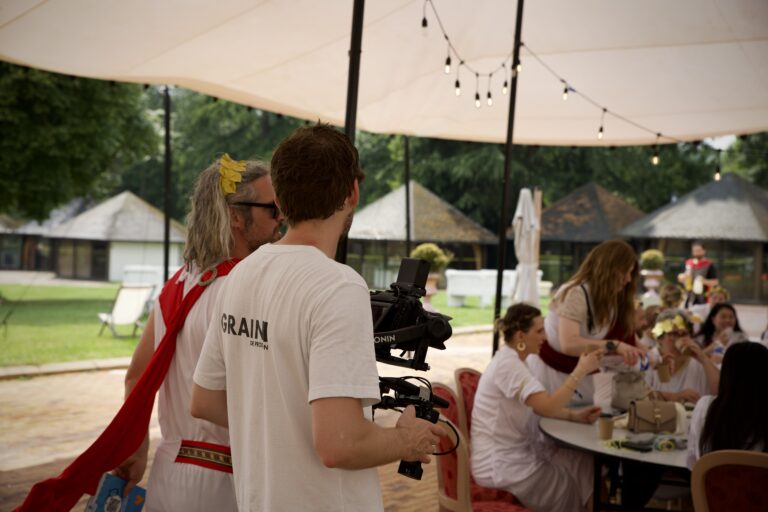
[{"x": 233, "y": 212}]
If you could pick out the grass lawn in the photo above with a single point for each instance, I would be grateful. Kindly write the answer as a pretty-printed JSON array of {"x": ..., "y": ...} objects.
[
  {"x": 50, "y": 324},
  {"x": 471, "y": 313}
]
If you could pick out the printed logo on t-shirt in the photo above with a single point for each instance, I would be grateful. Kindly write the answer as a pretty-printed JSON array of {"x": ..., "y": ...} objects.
[{"x": 254, "y": 330}]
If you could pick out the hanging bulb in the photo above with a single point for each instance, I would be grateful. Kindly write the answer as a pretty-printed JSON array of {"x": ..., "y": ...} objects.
[
  {"x": 655, "y": 157},
  {"x": 717, "y": 173},
  {"x": 448, "y": 65},
  {"x": 600, "y": 133},
  {"x": 519, "y": 67},
  {"x": 489, "y": 100},
  {"x": 458, "y": 88},
  {"x": 504, "y": 88},
  {"x": 565, "y": 93},
  {"x": 424, "y": 23},
  {"x": 477, "y": 100}
]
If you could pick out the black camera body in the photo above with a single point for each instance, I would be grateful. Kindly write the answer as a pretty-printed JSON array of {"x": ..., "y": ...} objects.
[{"x": 400, "y": 322}]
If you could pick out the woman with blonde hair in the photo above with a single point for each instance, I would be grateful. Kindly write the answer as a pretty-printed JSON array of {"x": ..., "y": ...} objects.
[
  {"x": 507, "y": 450},
  {"x": 595, "y": 308}
]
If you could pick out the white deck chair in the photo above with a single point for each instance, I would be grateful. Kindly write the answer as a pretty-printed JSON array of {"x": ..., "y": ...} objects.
[{"x": 128, "y": 307}]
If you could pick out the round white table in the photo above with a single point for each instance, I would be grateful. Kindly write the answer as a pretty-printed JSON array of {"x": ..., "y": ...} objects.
[{"x": 584, "y": 437}]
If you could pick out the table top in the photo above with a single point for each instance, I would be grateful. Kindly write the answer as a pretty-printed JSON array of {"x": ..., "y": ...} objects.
[{"x": 582, "y": 436}]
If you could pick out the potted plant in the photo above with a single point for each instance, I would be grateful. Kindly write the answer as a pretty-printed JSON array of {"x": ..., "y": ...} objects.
[
  {"x": 438, "y": 261},
  {"x": 651, "y": 268}
]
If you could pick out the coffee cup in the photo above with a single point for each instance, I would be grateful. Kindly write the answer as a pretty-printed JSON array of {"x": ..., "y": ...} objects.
[
  {"x": 605, "y": 427},
  {"x": 664, "y": 372},
  {"x": 683, "y": 348}
]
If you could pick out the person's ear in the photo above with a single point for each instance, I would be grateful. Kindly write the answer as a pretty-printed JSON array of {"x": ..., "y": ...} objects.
[
  {"x": 354, "y": 194},
  {"x": 236, "y": 219}
]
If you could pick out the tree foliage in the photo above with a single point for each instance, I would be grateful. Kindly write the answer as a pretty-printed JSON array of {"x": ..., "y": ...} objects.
[{"x": 59, "y": 135}]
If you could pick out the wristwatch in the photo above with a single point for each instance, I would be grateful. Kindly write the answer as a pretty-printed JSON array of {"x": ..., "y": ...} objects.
[{"x": 611, "y": 346}]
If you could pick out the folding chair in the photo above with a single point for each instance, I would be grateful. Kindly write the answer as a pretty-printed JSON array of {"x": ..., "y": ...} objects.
[{"x": 127, "y": 308}]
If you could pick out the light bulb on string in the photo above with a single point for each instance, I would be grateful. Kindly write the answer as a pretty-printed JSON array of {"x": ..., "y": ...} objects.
[
  {"x": 458, "y": 72},
  {"x": 448, "y": 65},
  {"x": 519, "y": 67},
  {"x": 477, "y": 90},
  {"x": 655, "y": 155},
  {"x": 489, "y": 99},
  {"x": 565, "y": 93},
  {"x": 504, "y": 88},
  {"x": 600, "y": 132}
]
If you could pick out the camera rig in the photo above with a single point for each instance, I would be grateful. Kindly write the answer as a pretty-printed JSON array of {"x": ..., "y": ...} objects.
[{"x": 400, "y": 322}]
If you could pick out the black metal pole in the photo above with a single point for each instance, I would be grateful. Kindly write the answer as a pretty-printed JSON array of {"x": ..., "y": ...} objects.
[
  {"x": 167, "y": 196},
  {"x": 502, "y": 251},
  {"x": 407, "y": 196},
  {"x": 353, "y": 81}
]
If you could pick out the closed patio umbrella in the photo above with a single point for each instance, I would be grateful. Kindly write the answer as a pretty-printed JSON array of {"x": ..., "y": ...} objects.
[{"x": 526, "y": 225}]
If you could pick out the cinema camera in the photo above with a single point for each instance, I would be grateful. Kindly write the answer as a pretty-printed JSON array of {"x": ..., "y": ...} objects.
[{"x": 401, "y": 323}]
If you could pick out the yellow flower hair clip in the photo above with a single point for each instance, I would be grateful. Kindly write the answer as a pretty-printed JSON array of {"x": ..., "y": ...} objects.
[{"x": 230, "y": 173}]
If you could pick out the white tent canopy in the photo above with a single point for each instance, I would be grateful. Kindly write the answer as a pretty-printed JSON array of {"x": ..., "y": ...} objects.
[{"x": 688, "y": 69}]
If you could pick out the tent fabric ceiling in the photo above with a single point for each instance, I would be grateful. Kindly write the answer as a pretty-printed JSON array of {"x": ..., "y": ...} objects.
[{"x": 689, "y": 69}]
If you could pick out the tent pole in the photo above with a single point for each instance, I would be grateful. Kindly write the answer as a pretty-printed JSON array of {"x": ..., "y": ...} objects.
[
  {"x": 167, "y": 185},
  {"x": 407, "y": 196},
  {"x": 353, "y": 81},
  {"x": 502, "y": 252}
]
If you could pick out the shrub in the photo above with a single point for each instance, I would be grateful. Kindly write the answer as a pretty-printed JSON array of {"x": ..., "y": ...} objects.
[
  {"x": 652, "y": 259},
  {"x": 437, "y": 258}
]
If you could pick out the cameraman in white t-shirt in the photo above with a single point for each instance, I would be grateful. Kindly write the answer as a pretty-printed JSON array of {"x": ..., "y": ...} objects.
[{"x": 289, "y": 365}]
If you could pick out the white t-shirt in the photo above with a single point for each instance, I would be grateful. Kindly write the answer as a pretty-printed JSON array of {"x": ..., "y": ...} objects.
[
  {"x": 292, "y": 326},
  {"x": 691, "y": 376},
  {"x": 695, "y": 427},
  {"x": 503, "y": 427}
]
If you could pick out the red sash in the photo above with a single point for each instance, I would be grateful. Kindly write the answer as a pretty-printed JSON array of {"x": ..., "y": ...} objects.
[
  {"x": 566, "y": 364},
  {"x": 128, "y": 428}
]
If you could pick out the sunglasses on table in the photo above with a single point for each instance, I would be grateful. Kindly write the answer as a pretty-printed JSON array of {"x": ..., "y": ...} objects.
[{"x": 272, "y": 206}]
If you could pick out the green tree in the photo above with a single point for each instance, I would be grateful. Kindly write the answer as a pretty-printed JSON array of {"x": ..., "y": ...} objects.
[
  {"x": 60, "y": 135},
  {"x": 748, "y": 156}
]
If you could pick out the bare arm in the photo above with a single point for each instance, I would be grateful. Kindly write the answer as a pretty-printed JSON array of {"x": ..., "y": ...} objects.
[
  {"x": 209, "y": 404},
  {"x": 132, "y": 469},
  {"x": 553, "y": 405},
  {"x": 345, "y": 439}
]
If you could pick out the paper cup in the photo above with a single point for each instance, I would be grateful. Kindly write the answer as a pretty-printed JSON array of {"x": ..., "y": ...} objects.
[
  {"x": 663, "y": 371},
  {"x": 605, "y": 428}
]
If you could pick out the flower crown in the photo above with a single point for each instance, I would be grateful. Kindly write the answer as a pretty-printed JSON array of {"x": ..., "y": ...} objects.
[
  {"x": 719, "y": 289},
  {"x": 662, "y": 327},
  {"x": 230, "y": 173}
]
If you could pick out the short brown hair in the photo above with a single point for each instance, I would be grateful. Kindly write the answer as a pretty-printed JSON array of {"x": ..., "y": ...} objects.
[
  {"x": 313, "y": 172},
  {"x": 519, "y": 317}
]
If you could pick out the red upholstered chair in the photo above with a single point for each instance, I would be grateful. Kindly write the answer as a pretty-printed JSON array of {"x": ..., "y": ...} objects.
[
  {"x": 466, "y": 384},
  {"x": 457, "y": 492},
  {"x": 730, "y": 480}
]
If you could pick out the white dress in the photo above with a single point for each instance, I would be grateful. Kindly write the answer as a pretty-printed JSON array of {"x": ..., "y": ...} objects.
[
  {"x": 172, "y": 485},
  {"x": 574, "y": 307},
  {"x": 691, "y": 376},
  {"x": 508, "y": 450}
]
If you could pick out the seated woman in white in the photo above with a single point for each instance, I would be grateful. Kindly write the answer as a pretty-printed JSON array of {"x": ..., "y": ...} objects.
[
  {"x": 508, "y": 452},
  {"x": 737, "y": 418},
  {"x": 720, "y": 330},
  {"x": 693, "y": 374}
]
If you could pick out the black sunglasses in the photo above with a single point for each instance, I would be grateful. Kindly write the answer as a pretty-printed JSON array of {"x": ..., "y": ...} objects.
[{"x": 272, "y": 206}]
